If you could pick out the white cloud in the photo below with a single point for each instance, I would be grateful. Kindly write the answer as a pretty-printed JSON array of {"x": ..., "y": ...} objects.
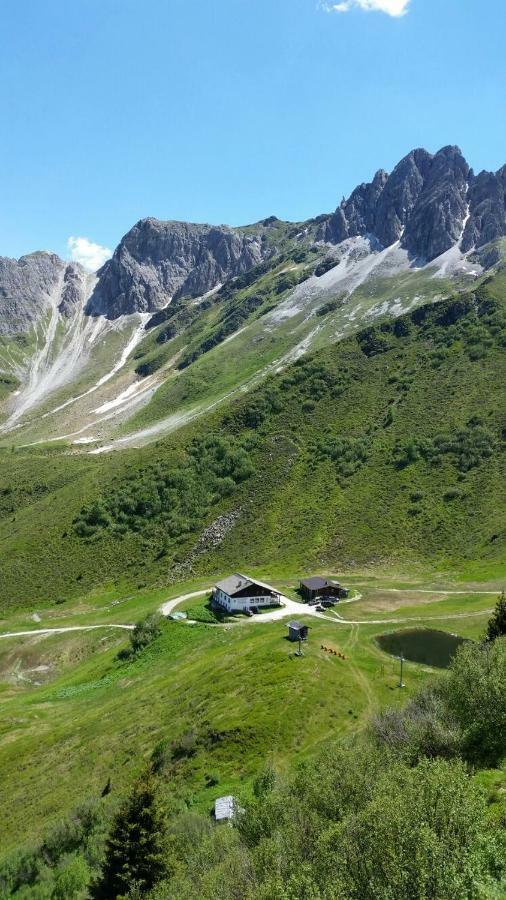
[
  {"x": 394, "y": 8},
  {"x": 89, "y": 254}
]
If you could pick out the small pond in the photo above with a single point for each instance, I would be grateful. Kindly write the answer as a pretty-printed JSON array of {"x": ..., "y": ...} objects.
[{"x": 422, "y": 645}]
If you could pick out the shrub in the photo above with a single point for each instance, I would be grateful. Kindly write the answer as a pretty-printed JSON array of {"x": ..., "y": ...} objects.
[
  {"x": 373, "y": 341},
  {"x": 173, "y": 498},
  {"x": 325, "y": 265},
  {"x": 146, "y": 631},
  {"x": 329, "y": 307},
  {"x": 476, "y": 697},
  {"x": 497, "y": 623},
  {"x": 348, "y": 454},
  {"x": 465, "y": 449}
]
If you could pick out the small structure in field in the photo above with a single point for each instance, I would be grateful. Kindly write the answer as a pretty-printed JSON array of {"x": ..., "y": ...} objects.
[
  {"x": 238, "y": 593},
  {"x": 225, "y": 809},
  {"x": 314, "y": 587},
  {"x": 297, "y": 631}
]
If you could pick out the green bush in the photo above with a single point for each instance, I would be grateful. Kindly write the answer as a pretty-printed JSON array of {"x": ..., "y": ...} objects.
[
  {"x": 465, "y": 450},
  {"x": 173, "y": 498}
]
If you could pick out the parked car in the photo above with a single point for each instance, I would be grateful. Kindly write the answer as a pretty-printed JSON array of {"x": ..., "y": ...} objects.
[
  {"x": 247, "y": 612},
  {"x": 255, "y": 610},
  {"x": 319, "y": 608},
  {"x": 327, "y": 603}
]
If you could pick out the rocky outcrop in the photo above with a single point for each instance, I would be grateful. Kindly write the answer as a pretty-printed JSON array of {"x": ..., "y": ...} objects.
[
  {"x": 487, "y": 202},
  {"x": 429, "y": 203},
  {"x": 437, "y": 219},
  {"x": 160, "y": 261},
  {"x": 32, "y": 283}
]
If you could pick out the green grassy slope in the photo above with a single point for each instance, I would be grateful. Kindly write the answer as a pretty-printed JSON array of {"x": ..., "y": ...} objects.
[
  {"x": 385, "y": 450},
  {"x": 226, "y": 700}
]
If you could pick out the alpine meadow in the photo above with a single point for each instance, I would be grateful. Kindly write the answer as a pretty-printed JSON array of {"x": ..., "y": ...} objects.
[{"x": 252, "y": 477}]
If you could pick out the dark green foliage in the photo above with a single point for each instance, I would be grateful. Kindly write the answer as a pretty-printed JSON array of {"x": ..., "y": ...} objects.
[
  {"x": 465, "y": 449},
  {"x": 288, "y": 280},
  {"x": 63, "y": 861},
  {"x": 307, "y": 380},
  {"x": 464, "y": 714},
  {"x": 476, "y": 697},
  {"x": 325, "y": 265},
  {"x": 145, "y": 632},
  {"x": 229, "y": 323},
  {"x": 421, "y": 838},
  {"x": 151, "y": 365},
  {"x": 372, "y": 341},
  {"x": 314, "y": 380},
  {"x": 136, "y": 854},
  {"x": 8, "y": 383},
  {"x": 497, "y": 623},
  {"x": 422, "y": 728},
  {"x": 352, "y": 825},
  {"x": 329, "y": 307},
  {"x": 233, "y": 285},
  {"x": 347, "y": 454},
  {"x": 175, "y": 498}
]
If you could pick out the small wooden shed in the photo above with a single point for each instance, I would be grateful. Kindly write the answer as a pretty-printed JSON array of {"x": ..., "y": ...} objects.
[{"x": 297, "y": 631}]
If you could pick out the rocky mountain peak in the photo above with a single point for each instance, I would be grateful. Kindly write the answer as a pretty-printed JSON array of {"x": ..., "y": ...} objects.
[
  {"x": 428, "y": 202},
  {"x": 157, "y": 261},
  {"x": 32, "y": 283}
]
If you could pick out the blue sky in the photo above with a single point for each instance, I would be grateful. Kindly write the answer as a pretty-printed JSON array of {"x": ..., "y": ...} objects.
[{"x": 229, "y": 110}]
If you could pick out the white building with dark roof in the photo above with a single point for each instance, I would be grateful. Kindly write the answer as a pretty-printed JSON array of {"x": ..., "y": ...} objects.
[{"x": 238, "y": 593}]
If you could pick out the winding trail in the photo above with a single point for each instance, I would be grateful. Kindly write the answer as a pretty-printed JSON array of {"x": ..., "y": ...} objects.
[
  {"x": 11, "y": 634},
  {"x": 289, "y": 608}
]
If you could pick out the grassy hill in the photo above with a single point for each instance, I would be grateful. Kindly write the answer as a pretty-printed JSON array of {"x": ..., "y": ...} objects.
[
  {"x": 385, "y": 450},
  {"x": 382, "y": 455},
  {"x": 220, "y": 702}
]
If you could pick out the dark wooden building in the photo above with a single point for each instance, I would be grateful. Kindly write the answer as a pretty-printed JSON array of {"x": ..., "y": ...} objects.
[
  {"x": 297, "y": 631},
  {"x": 314, "y": 587}
]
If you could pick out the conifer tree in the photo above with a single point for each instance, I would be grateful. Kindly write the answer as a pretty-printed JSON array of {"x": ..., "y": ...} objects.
[
  {"x": 497, "y": 624},
  {"x": 136, "y": 850}
]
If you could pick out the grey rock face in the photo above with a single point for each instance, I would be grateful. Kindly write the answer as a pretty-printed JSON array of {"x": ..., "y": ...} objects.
[
  {"x": 487, "y": 199},
  {"x": 400, "y": 196},
  {"x": 437, "y": 219},
  {"x": 357, "y": 215},
  {"x": 28, "y": 285},
  {"x": 159, "y": 261},
  {"x": 428, "y": 203},
  {"x": 425, "y": 203}
]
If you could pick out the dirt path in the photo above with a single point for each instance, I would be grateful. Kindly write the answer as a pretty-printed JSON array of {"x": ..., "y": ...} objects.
[
  {"x": 288, "y": 608},
  {"x": 444, "y": 593},
  {"x": 470, "y": 615},
  {"x": 11, "y": 634}
]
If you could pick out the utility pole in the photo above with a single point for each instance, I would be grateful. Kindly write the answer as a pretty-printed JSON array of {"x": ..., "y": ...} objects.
[{"x": 401, "y": 683}]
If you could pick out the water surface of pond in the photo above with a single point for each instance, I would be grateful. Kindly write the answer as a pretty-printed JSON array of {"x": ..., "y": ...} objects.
[{"x": 422, "y": 645}]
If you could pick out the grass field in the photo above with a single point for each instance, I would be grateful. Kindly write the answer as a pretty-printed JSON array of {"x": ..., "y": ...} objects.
[
  {"x": 380, "y": 460},
  {"x": 227, "y": 698}
]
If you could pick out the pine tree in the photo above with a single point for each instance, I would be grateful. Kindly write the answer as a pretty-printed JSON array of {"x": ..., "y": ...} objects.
[
  {"x": 136, "y": 850},
  {"x": 497, "y": 624}
]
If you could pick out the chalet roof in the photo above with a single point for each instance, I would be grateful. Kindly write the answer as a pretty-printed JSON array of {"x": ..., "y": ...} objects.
[
  {"x": 224, "y": 808},
  {"x": 237, "y": 582},
  {"x": 316, "y": 583},
  {"x": 296, "y": 626}
]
